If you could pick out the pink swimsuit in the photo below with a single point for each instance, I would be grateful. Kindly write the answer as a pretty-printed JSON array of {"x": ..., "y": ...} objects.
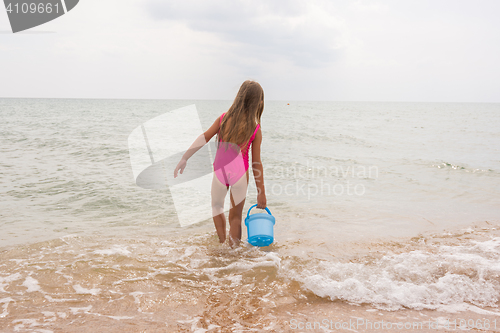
[{"x": 231, "y": 162}]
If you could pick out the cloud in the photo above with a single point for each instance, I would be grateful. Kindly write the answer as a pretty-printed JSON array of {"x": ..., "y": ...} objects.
[{"x": 305, "y": 33}]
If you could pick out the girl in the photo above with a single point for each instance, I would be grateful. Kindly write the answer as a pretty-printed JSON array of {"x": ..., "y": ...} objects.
[{"x": 237, "y": 130}]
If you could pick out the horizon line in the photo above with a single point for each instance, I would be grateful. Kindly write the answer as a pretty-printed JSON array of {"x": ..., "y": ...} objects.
[{"x": 269, "y": 100}]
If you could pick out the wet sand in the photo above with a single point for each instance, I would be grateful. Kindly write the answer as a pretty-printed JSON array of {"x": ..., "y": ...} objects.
[{"x": 85, "y": 284}]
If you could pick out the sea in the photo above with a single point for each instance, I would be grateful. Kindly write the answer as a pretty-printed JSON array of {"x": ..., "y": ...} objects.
[{"x": 387, "y": 219}]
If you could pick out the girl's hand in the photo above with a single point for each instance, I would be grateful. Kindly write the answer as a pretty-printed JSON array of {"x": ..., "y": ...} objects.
[
  {"x": 180, "y": 167},
  {"x": 261, "y": 201}
]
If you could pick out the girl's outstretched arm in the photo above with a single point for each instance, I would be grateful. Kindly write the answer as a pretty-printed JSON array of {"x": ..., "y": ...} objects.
[
  {"x": 258, "y": 171},
  {"x": 197, "y": 144}
]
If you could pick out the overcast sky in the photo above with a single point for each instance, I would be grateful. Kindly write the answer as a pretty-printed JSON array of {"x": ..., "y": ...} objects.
[{"x": 412, "y": 50}]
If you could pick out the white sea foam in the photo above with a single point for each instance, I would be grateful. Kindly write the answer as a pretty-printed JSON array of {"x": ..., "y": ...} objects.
[
  {"x": 443, "y": 279},
  {"x": 189, "y": 251},
  {"x": 4, "y": 281},
  {"x": 454, "y": 308},
  {"x": 5, "y": 305},
  {"x": 120, "y": 317},
  {"x": 136, "y": 295},
  {"x": 114, "y": 250},
  {"x": 194, "y": 325},
  {"x": 51, "y": 299},
  {"x": 31, "y": 323},
  {"x": 48, "y": 313},
  {"x": 491, "y": 246},
  {"x": 85, "y": 309},
  {"x": 163, "y": 251},
  {"x": 51, "y": 316},
  {"x": 235, "y": 280},
  {"x": 18, "y": 261},
  {"x": 31, "y": 284},
  {"x": 81, "y": 290},
  {"x": 269, "y": 259}
]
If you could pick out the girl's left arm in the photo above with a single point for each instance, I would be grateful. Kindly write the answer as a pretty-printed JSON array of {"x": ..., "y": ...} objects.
[
  {"x": 258, "y": 171},
  {"x": 197, "y": 144}
]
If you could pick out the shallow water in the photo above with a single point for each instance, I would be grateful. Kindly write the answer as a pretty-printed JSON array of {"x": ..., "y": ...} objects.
[
  {"x": 197, "y": 285},
  {"x": 390, "y": 207}
]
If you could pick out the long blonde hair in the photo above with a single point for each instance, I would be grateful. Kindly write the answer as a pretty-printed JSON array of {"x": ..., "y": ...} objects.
[{"x": 240, "y": 121}]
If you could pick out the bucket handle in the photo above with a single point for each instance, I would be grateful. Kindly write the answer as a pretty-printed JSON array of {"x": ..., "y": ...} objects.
[{"x": 267, "y": 209}]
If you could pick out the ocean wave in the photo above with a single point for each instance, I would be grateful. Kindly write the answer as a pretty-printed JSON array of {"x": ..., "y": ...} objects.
[
  {"x": 421, "y": 279},
  {"x": 211, "y": 284},
  {"x": 464, "y": 168}
]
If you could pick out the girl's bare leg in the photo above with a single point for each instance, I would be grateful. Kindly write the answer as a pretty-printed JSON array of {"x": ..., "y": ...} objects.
[
  {"x": 219, "y": 191},
  {"x": 238, "y": 195}
]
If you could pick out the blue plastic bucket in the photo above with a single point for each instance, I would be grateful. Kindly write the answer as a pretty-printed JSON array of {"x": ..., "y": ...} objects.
[{"x": 260, "y": 228}]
